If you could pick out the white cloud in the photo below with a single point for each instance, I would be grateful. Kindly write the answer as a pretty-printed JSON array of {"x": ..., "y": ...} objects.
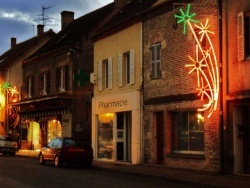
[{"x": 15, "y": 16}]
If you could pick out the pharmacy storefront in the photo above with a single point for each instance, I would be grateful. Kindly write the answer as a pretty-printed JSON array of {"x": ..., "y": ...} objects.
[{"x": 116, "y": 127}]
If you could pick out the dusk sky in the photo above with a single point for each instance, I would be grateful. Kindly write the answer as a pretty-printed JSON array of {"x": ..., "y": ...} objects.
[{"x": 18, "y": 17}]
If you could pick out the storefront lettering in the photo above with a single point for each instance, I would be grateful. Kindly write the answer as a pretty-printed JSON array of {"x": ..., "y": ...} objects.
[{"x": 118, "y": 103}]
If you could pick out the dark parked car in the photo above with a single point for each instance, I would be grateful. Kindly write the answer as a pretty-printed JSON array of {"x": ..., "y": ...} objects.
[
  {"x": 8, "y": 145},
  {"x": 67, "y": 150}
]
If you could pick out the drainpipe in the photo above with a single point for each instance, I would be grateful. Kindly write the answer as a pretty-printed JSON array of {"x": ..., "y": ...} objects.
[
  {"x": 142, "y": 95},
  {"x": 219, "y": 2},
  {"x": 73, "y": 61}
]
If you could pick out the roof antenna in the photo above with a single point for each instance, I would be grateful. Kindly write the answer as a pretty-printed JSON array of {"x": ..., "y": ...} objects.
[{"x": 42, "y": 17}]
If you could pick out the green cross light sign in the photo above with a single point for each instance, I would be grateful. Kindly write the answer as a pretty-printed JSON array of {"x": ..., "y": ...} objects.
[{"x": 81, "y": 77}]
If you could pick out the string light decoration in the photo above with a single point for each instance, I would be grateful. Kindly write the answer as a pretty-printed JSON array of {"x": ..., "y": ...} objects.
[
  {"x": 12, "y": 95},
  {"x": 205, "y": 62}
]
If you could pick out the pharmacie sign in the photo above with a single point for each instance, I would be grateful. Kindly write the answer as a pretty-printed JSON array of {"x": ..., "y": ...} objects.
[{"x": 114, "y": 103}]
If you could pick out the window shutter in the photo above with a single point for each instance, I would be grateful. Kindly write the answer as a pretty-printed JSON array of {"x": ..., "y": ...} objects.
[
  {"x": 119, "y": 72},
  {"x": 66, "y": 81},
  {"x": 132, "y": 69},
  {"x": 41, "y": 84},
  {"x": 110, "y": 73},
  {"x": 241, "y": 40},
  {"x": 58, "y": 75},
  {"x": 48, "y": 83},
  {"x": 100, "y": 75},
  {"x": 32, "y": 86}
]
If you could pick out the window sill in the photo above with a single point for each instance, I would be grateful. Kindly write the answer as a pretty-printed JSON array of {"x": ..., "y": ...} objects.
[
  {"x": 186, "y": 156},
  {"x": 155, "y": 78}
]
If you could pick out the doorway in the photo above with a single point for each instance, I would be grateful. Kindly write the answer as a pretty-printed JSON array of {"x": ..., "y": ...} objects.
[
  {"x": 159, "y": 136},
  {"x": 246, "y": 139},
  {"x": 242, "y": 139},
  {"x": 123, "y": 136}
]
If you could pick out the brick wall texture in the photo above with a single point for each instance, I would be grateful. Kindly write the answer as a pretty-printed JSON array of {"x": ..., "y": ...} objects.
[{"x": 175, "y": 81}]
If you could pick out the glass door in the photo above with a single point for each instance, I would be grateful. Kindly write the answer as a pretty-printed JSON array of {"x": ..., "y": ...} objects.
[{"x": 123, "y": 136}]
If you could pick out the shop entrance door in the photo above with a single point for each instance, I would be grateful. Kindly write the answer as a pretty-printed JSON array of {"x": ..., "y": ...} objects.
[
  {"x": 246, "y": 138},
  {"x": 123, "y": 136}
]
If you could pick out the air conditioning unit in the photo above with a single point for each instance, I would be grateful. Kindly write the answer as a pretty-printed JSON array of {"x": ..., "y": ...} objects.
[{"x": 93, "y": 78}]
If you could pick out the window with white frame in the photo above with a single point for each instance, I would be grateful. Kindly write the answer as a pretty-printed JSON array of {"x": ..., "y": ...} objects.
[
  {"x": 188, "y": 132},
  {"x": 62, "y": 78},
  {"x": 105, "y": 74},
  {"x": 125, "y": 68},
  {"x": 156, "y": 60},
  {"x": 45, "y": 83},
  {"x": 243, "y": 28}
]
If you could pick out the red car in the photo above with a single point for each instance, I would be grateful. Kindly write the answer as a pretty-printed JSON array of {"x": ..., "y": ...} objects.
[{"x": 66, "y": 150}]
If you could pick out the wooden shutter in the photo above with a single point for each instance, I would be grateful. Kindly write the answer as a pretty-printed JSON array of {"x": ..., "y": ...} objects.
[
  {"x": 99, "y": 76},
  {"x": 32, "y": 86},
  {"x": 48, "y": 82},
  {"x": 241, "y": 38},
  {"x": 66, "y": 79},
  {"x": 110, "y": 73},
  {"x": 41, "y": 84},
  {"x": 58, "y": 76},
  {"x": 119, "y": 72},
  {"x": 132, "y": 66}
]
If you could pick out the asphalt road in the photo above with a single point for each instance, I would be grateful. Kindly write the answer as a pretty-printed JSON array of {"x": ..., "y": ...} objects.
[{"x": 21, "y": 172}]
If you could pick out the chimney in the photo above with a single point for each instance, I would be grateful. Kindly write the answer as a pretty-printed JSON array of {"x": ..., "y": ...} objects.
[
  {"x": 12, "y": 42},
  {"x": 66, "y": 18},
  {"x": 120, "y": 3},
  {"x": 40, "y": 30}
]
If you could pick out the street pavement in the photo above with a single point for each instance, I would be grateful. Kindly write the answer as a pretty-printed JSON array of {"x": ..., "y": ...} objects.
[{"x": 188, "y": 177}]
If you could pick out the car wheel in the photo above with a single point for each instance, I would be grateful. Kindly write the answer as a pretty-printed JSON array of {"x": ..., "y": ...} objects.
[
  {"x": 13, "y": 154},
  {"x": 41, "y": 160},
  {"x": 57, "y": 161}
]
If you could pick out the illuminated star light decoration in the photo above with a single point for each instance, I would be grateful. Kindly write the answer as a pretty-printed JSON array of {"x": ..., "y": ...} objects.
[{"x": 205, "y": 65}]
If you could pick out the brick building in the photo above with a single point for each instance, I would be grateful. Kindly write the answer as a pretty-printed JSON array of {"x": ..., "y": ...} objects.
[{"x": 176, "y": 134}]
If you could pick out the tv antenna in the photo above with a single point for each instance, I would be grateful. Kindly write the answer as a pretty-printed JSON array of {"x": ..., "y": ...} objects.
[{"x": 42, "y": 17}]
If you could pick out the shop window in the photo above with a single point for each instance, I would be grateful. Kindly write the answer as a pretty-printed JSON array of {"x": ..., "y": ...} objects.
[
  {"x": 105, "y": 74},
  {"x": 105, "y": 136},
  {"x": 45, "y": 83},
  {"x": 126, "y": 68},
  {"x": 156, "y": 60},
  {"x": 54, "y": 129},
  {"x": 188, "y": 132},
  {"x": 243, "y": 26}
]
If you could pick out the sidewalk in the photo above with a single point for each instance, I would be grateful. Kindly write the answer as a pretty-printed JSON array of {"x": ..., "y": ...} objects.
[{"x": 191, "y": 177}]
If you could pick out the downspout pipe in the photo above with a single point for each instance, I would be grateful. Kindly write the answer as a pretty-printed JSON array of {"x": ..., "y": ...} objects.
[
  {"x": 73, "y": 62},
  {"x": 221, "y": 127}
]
